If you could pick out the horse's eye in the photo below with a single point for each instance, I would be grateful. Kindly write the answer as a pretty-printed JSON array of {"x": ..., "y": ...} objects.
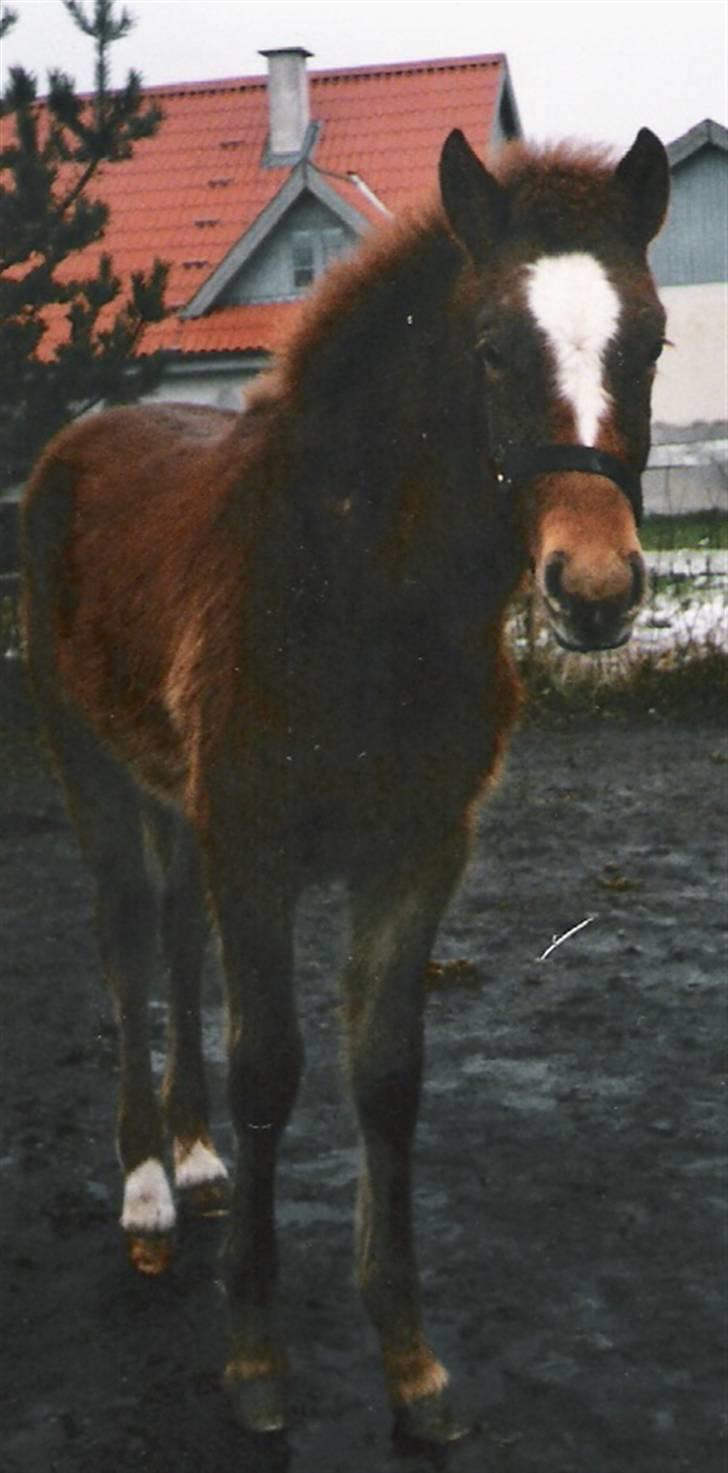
[
  {"x": 489, "y": 355},
  {"x": 656, "y": 350}
]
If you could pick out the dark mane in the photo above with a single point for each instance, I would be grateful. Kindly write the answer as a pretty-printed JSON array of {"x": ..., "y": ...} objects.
[
  {"x": 358, "y": 397},
  {"x": 561, "y": 192},
  {"x": 568, "y": 157},
  {"x": 393, "y": 286}
]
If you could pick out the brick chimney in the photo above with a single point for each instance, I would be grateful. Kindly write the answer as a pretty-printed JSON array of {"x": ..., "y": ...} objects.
[{"x": 288, "y": 104}]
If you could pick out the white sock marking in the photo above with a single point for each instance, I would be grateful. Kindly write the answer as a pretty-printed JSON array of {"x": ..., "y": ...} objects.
[
  {"x": 196, "y": 1165},
  {"x": 148, "y": 1205},
  {"x": 577, "y": 308}
]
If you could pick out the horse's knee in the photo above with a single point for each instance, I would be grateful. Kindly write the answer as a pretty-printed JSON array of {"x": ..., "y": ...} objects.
[
  {"x": 265, "y": 1070},
  {"x": 385, "y": 1081}
]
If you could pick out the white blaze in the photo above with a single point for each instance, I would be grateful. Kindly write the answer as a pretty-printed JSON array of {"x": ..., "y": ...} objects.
[{"x": 577, "y": 308}]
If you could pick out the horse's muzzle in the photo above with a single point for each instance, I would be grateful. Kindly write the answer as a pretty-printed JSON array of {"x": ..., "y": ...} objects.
[{"x": 587, "y": 622}]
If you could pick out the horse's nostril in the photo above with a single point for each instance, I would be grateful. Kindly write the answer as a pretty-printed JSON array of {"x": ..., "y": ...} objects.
[
  {"x": 552, "y": 577},
  {"x": 638, "y": 580}
]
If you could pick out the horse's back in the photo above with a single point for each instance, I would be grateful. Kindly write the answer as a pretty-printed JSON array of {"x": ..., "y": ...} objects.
[
  {"x": 131, "y": 452},
  {"x": 148, "y": 425}
]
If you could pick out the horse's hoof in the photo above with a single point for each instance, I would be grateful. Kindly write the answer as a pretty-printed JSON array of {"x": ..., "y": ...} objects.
[
  {"x": 206, "y": 1198},
  {"x": 201, "y": 1179},
  {"x": 150, "y": 1253},
  {"x": 429, "y": 1419},
  {"x": 446, "y": 976},
  {"x": 258, "y": 1403}
]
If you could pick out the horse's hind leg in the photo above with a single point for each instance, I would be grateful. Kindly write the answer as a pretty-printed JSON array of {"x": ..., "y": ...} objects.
[
  {"x": 395, "y": 913},
  {"x": 254, "y": 901},
  {"x": 200, "y": 1176},
  {"x": 105, "y": 806}
]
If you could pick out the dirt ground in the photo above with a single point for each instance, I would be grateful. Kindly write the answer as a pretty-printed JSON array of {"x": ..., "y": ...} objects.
[{"x": 570, "y": 1177}]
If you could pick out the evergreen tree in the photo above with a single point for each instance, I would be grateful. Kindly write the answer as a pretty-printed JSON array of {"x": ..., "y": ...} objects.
[{"x": 52, "y": 151}]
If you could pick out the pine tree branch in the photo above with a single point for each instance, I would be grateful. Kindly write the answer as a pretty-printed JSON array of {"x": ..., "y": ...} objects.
[{"x": 48, "y": 219}]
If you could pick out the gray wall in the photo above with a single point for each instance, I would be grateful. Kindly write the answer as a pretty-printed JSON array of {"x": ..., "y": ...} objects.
[{"x": 693, "y": 246}]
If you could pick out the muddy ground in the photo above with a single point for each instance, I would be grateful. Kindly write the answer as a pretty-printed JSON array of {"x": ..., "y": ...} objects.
[{"x": 570, "y": 1177}]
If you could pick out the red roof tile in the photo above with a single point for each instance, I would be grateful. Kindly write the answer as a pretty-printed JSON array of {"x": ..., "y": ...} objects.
[
  {"x": 256, "y": 328},
  {"x": 189, "y": 194}
]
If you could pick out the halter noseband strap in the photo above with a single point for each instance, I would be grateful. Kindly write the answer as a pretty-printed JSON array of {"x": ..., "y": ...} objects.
[{"x": 518, "y": 465}]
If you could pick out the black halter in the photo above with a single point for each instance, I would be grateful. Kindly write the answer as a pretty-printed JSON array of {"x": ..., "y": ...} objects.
[{"x": 515, "y": 467}]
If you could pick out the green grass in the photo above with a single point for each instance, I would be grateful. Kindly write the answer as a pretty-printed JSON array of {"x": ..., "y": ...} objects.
[
  {"x": 697, "y": 530},
  {"x": 693, "y": 686}
]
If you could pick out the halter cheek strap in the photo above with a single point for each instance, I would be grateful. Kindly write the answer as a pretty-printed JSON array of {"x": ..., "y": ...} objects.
[{"x": 516, "y": 466}]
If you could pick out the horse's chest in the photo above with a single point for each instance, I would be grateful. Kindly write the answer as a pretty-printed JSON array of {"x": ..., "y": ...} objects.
[
  {"x": 395, "y": 733},
  {"x": 380, "y": 721}
]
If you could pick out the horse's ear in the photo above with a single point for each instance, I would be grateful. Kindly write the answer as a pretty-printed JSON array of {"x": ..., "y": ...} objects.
[
  {"x": 475, "y": 203},
  {"x": 644, "y": 174}
]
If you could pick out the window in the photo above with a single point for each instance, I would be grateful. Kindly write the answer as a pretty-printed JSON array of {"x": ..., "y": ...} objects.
[
  {"x": 312, "y": 251},
  {"x": 333, "y": 245},
  {"x": 304, "y": 258}
]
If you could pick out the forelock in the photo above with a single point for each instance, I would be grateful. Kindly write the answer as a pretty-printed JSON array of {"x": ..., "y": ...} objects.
[{"x": 560, "y": 192}]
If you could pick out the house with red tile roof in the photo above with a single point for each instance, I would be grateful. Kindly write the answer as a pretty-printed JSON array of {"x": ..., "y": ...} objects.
[{"x": 253, "y": 185}]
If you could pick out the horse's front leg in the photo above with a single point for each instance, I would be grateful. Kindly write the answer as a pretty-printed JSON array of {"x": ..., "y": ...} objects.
[
  {"x": 255, "y": 912},
  {"x": 395, "y": 914}
]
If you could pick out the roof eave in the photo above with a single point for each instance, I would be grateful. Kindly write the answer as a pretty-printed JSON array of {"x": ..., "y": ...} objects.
[
  {"x": 703, "y": 134},
  {"x": 180, "y": 363}
]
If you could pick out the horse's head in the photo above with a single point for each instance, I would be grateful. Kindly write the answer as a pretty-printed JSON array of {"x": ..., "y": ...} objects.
[{"x": 565, "y": 328}]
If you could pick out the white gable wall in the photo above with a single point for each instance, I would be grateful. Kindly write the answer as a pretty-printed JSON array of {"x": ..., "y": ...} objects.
[
  {"x": 220, "y": 382},
  {"x": 267, "y": 276}
]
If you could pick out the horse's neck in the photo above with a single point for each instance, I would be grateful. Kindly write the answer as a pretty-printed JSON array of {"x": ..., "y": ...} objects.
[
  {"x": 371, "y": 367},
  {"x": 375, "y": 430}
]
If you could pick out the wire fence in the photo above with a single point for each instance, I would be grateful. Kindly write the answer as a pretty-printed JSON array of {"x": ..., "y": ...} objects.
[{"x": 684, "y": 617}]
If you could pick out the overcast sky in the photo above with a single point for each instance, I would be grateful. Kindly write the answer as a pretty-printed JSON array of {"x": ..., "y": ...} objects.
[{"x": 590, "y": 69}]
